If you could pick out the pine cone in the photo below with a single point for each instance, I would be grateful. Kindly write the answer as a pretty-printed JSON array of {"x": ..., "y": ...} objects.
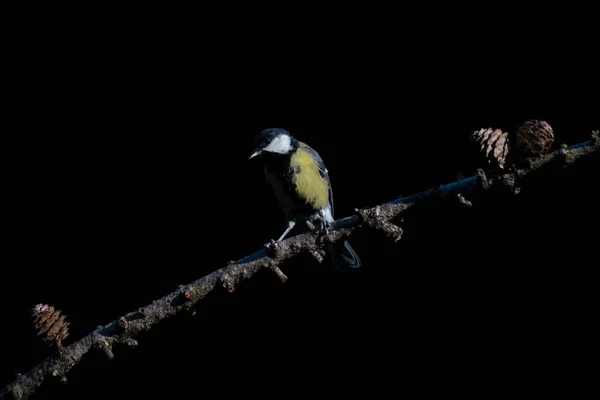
[
  {"x": 533, "y": 139},
  {"x": 49, "y": 321},
  {"x": 495, "y": 143}
]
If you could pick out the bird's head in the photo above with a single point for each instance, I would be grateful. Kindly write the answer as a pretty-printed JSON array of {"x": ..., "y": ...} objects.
[{"x": 272, "y": 141}]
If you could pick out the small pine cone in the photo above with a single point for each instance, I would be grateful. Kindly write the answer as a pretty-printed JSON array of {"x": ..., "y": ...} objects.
[
  {"x": 533, "y": 139},
  {"x": 494, "y": 143},
  {"x": 49, "y": 321}
]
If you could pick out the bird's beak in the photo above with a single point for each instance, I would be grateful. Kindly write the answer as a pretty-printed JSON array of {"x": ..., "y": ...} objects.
[{"x": 254, "y": 154}]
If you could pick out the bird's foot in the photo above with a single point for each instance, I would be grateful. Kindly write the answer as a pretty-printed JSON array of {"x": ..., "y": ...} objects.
[
  {"x": 272, "y": 248},
  {"x": 325, "y": 224},
  {"x": 324, "y": 228}
]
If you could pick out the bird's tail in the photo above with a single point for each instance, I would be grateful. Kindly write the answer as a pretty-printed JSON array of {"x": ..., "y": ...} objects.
[{"x": 343, "y": 256}]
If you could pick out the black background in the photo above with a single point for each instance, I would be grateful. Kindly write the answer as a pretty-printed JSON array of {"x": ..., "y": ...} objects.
[{"x": 127, "y": 175}]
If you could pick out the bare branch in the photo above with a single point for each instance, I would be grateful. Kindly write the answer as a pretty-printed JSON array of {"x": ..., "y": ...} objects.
[{"x": 125, "y": 328}]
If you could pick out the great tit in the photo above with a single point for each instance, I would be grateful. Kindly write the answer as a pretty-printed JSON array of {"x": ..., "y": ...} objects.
[{"x": 301, "y": 184}]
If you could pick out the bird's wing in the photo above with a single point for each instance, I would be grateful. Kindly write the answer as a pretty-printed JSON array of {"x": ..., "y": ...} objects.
[{"x": 322, "y": 170}]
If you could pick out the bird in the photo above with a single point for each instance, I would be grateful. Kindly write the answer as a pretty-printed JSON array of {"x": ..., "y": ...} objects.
[{"x": 298, "y": 176}]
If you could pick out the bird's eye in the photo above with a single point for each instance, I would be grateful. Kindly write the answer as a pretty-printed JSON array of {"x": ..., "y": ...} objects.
[{"x": 268, "y": 140}]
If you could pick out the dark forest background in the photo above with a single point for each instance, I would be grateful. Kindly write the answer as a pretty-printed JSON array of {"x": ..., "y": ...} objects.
[{"x": 127, "y": 175}]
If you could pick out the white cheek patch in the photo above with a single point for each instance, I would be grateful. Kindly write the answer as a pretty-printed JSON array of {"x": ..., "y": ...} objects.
[{"x": 281, "y": 144}]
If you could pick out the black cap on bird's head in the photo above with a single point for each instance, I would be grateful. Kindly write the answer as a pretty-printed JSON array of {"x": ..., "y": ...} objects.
[{"x": 272, "y": 140}]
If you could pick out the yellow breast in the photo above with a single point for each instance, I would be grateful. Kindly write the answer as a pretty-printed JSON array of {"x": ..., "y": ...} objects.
[{"x": 307, "y": 180}]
